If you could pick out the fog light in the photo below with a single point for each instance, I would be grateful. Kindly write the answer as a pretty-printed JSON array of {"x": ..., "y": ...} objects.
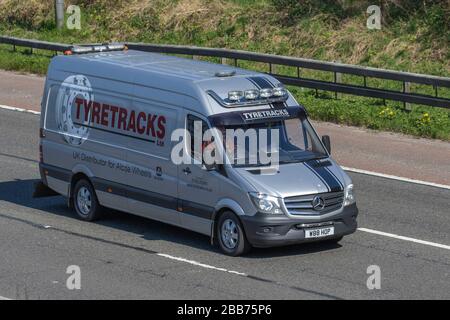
[
  {"x": 235, "y": 95},
  {"x": 251, "y": 94},
  {"x": 279, "y": 91},
  {"x": 266, "y": 93}
]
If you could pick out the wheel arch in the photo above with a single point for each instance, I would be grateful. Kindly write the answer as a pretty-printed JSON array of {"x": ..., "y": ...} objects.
[
  {"x": 222, "y": 206},
  {"x": 78, "y": 172}
]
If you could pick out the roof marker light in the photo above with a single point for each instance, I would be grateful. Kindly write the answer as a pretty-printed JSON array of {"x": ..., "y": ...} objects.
[{"x": 225, "y": 73}]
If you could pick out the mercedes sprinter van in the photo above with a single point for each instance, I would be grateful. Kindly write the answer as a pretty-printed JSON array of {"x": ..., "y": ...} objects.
[{"x": 117, "y": 131}]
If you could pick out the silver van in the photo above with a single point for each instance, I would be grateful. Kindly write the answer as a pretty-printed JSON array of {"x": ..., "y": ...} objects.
[{"x": 107, "y": 141}]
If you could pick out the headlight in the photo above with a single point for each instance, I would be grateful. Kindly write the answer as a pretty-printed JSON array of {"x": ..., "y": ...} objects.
[
  {"x": 349, "y": 196},
  {"x": 265, "y": 203}
]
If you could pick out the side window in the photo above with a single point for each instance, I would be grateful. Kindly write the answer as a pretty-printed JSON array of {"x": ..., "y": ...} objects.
[{"x": 193, "y": 124}]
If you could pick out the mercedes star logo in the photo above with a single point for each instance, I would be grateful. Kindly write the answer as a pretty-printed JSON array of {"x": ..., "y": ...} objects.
[{"x": 318, "y": 203}]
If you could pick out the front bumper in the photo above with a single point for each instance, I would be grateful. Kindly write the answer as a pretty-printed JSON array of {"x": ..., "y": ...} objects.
[{"x": 269, "y": 231}]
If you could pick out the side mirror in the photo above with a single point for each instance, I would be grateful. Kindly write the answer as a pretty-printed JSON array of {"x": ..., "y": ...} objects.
[{"x": 327, "y": 143}]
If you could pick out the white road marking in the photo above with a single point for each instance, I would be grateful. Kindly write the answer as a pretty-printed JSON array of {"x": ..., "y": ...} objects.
[
  {"x": 18, "y": 109},
  {"x": 395, "y": 236},
  {"x": 199, "y": 264},
  {"x": 388, "y": 176},
  {"x": 4, "y": 298}
]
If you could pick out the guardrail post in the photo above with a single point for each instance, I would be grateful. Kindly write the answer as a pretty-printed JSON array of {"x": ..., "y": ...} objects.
[
  {"x": 407, "y": 89},
  {"x": 272, "y": 69},
  {"x": 223, "y": 60},
  {"x": 59, "y": 13},
  {"x": 337, "y": 79}
]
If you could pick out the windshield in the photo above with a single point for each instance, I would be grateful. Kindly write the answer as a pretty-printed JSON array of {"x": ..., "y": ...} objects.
[{"x": 262, "y": 144}]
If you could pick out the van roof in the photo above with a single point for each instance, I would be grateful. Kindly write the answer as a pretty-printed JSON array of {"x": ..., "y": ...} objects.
[
  {"x": 187, "y": 77},
  {"x": 189, "y": 69}
]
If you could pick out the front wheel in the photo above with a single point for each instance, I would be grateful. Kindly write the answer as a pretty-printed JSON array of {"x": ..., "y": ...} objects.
[
  {"x": 231, "y": 235},
  {"x": 85, "y": 201}
]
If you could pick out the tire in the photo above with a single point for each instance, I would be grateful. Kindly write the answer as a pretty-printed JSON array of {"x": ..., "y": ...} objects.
[
  {"x": 231, "y": 236},
  {"x": 85, "y": 201}
]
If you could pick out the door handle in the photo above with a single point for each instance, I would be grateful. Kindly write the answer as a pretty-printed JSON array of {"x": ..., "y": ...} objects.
[{"x": 187, "y": 170}]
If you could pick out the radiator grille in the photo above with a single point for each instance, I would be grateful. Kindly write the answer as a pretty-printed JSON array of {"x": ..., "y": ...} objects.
[{"x": 301, "y": 205}]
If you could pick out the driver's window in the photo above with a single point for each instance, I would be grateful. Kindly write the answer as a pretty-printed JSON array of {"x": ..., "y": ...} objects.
[
  {"x": 297, "y": 135},
  {"x": 192, "y": 124}
]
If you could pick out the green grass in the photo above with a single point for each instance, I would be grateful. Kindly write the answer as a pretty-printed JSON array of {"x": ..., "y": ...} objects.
[
  {"x": 23, "y": 60},
  {"x": 406, "y": 44}
]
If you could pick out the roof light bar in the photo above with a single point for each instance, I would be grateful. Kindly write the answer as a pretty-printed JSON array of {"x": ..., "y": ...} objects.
[
  {"x": 98, "y": 48},
  {"x": 251, "y": 97}
]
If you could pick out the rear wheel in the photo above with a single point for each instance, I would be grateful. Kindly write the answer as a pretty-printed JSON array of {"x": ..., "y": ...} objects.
[
  {"x": 231, "y": 235},
  {"x": 85, "y": 201}
]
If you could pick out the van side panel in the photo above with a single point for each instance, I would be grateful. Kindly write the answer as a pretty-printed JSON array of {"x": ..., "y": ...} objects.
[
  {"x": 79, "y": 135},
  {"x": 154, "y": 181}
]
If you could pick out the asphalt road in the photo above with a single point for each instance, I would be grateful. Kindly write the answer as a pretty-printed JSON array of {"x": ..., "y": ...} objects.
[{"x": 123, "y": 256}]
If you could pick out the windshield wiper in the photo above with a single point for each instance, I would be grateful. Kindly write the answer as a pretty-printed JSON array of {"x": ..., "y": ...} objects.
[{"x": 303, "y": 159}]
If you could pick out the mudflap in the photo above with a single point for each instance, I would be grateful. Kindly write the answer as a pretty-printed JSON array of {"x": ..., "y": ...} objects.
[{"x": 41, "y": 191}]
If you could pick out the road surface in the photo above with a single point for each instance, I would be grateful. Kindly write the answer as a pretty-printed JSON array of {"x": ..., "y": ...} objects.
[{"x": 124, "y": 256}]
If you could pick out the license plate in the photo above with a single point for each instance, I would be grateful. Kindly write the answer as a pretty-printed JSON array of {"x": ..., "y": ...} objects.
[{"x": 319, "y": 232}]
